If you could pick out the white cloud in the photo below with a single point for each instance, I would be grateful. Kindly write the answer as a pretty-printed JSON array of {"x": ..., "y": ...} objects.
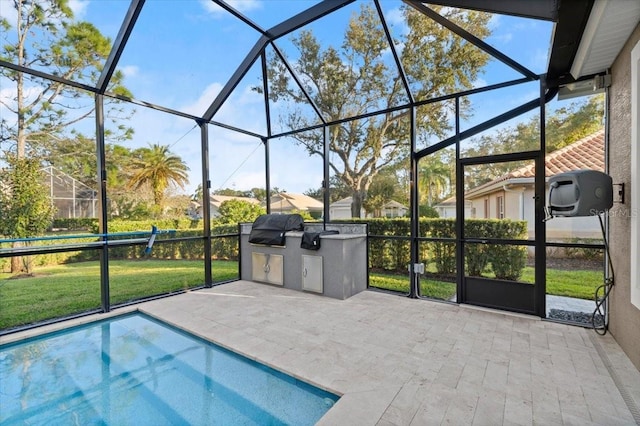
[
  {"x": 79, "y": 8},
  {"x": 243, "y": 109},
  {"x": 200, "y": 105},
  {"x": 8, "y": 94},
  {"x": 394, "y": 17},
  {"x": 494, "y": 22},
  {"x": 239, "y": 5},
  {"x": 130, "y": 70},
  {"x": 246, "y": 181},
  {"x": 503, "y": 38},
  {"x": 479, "y": 82},
  {"x": 8, "y": 12},
  {"x": 244, "y": 5},
  {"x": 538, "y": 60}
]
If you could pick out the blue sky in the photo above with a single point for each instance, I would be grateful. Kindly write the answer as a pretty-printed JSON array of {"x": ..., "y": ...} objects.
[{"x": 182, "y": 52}]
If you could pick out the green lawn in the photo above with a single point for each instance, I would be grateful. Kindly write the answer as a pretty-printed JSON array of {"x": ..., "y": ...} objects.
[
  {"x": 579, "y": 284},
  {"x": 63, "y": 290},
  {"x": 400, "y": 282}
]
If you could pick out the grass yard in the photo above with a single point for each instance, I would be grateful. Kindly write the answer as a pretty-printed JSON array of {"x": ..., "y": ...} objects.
[
  {"x": 579, "y": 284},
  {"x": 62, "y": 290},
  {"x": 400, "y": 282}
]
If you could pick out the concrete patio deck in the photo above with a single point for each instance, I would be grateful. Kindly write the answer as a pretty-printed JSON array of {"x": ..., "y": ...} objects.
[{"x": 398, "y": 361}]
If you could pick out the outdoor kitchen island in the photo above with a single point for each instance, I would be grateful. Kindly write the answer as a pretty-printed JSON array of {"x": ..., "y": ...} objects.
[{"x": 338, "y": 269}]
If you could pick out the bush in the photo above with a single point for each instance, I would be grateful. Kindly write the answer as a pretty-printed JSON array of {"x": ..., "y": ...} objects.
[
  {"x": 444, "y": 253},
  {"x": 508, "y": 261},
  {"x": 427, "y": 211},
  {"x": 221, "y": 248},
  {"x": 75, "y": 224},
  {"x": 393, "y": 254},
  {"x": 584, "y": 252},
  {"x": 477, "y": 255}
]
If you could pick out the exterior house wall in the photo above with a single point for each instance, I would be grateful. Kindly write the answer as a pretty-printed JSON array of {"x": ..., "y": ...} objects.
[
  {"x": 394, "y": 212},
  {"x": 512, "y": 205},
  {"x": 214, "y": 211},
  {"x": 447, "y": 210},
  {"x": 341, "y": 209},
  {"x": 341, "y": 212},
  {"x": 479, "y": 206},
  {"x": 336, "y": 213},
  {"x": 562, "y": 228},
  {"x": 624, "y": 316}
]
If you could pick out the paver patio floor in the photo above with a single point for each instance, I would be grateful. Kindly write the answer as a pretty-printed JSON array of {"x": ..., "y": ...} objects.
[{"x": 398, "y": 361}]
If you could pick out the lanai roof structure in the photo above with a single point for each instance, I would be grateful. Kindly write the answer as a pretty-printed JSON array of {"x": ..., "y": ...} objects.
[{"x": 450, "y": 362}]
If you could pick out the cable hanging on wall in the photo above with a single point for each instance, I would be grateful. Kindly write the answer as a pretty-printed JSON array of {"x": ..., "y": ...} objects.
[
  {"x": 598, "y": 319},
  {"x": 586, "y": 193}
]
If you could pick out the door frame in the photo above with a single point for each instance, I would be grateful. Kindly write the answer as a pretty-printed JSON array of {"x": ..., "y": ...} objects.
[{"x": 493, "y": 293}]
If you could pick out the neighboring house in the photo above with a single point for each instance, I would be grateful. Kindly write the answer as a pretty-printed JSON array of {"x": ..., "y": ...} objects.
[
  {"x": 394, "y": 209},
  {"x": 70, "y": 197},
  {"x": 287, "y": 202},
  {"x": 341, "y": 209},
  {"x": 216, "y": 201},
  {"x": 447, "y": 208},
  {"x": 511, "y": 196}
]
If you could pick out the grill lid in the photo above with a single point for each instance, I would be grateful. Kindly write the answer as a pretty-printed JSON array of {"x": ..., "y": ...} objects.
[{"x": 270, "y": 229}]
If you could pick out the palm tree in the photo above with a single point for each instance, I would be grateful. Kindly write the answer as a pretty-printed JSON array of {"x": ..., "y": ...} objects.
[
  {"x": 433, "y": 177},
  {"x": 157, "y": 167}
]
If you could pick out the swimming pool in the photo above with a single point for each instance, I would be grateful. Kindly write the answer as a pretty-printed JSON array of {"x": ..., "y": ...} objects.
[{"x": 133, "y": 369}]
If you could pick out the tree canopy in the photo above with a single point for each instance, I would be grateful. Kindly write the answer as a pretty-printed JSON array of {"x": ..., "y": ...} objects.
[
  {"x": 25, "y": 206},
  {"x": 159, "y": 169},
  {"x": 358, "y": 78},
  {"x": 46, "y": 36},
  {"x": 238, "y": 211}
]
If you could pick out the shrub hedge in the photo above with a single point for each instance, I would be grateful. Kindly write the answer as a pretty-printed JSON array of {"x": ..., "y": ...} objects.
[
  {"x": 223, "y": 248},
  {"x": 505, "y": 261},
  {"x": 392, "y": 254}
]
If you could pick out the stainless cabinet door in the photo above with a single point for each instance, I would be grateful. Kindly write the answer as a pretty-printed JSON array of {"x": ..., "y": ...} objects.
[
  {"x": 267, "y": 268},
  {"x": 312, "y": 273}
]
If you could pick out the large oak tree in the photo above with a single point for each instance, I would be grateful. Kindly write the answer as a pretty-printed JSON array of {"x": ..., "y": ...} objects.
[{"x": 359, "y": 77}]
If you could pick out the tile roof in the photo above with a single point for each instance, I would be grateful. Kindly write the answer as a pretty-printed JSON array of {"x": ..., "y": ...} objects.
[
  {"x": 295, "y": 201},
  {"x": 586, "y": 153}
]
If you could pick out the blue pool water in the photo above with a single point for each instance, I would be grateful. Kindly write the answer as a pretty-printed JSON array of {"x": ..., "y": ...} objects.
[{"x": 133, "y": 369}]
